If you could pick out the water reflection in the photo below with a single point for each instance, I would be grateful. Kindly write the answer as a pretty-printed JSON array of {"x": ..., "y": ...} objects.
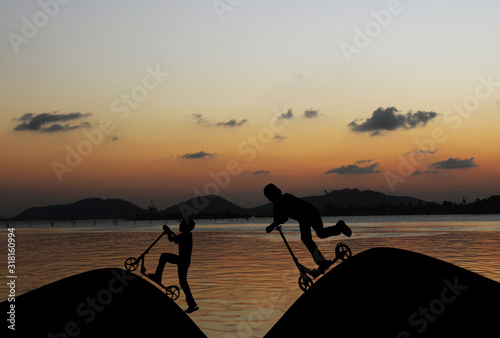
[{"x": 244, "y": 279}]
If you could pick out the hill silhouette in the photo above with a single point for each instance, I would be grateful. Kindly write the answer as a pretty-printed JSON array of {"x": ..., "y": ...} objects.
[
  {"x": 339, "y": 200},
  {"x": 210, "y": 206},
  {"x": 89, "y": 208}
]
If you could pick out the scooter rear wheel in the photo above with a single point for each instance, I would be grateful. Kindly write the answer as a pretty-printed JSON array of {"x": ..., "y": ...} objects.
[
  {"x": 173, "y": 292},
  {"x": 305, "y": 283},
  {"x": 343, "y": 252},
  {"x": 131, "y": 264}
]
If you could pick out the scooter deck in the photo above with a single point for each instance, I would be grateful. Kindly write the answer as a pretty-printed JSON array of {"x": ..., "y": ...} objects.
[
  {"x": 156, "y": 282},
  {"x": 316, "y": 273},
  {"x": 172, "y": 291}
]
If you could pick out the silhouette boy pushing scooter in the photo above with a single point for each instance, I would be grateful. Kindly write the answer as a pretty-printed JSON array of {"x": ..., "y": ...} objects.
[
  {"x": 287, "y": 206},
  {"x": 183, "y": 259}
]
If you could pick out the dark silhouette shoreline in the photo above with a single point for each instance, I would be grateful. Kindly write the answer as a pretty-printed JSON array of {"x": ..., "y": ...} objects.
[{"x": 346, "y": 202}]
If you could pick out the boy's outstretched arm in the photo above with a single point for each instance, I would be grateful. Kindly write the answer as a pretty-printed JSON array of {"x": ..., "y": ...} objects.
[{"x": 277, "y": 221}]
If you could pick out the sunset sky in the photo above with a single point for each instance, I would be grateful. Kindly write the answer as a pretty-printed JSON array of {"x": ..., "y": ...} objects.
[{"x": 162, "y": 100}]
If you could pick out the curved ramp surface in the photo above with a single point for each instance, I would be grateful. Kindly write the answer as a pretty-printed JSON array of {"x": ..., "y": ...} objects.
[
  {"x": 100, "y": 303},
  {"x": 386, "y": 292}
]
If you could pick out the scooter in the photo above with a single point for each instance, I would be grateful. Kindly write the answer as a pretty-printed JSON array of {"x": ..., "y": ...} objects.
[
  {"x": 132, "y": 263},
  {"x": 342, "y": 252}
]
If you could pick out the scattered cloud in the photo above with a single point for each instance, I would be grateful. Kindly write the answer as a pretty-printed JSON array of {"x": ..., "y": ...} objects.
[
  {"x": 50, "y": 122},
  {"x": 257, "y": 173},
  {"x": 363, "y": 161},
  {"x": 199, "y": 119},
  {"x": 355, "y": 169},
  {"x": 454, "y": 163},
  {"x": 288, "y": 115},
  {"x": 311, "y": 113},
  {"x": 279, "y": 137},
  {"x": 231, "y": 123},
  {"x": 390, "y": 119},
  {"x": 420, "y": 151},
  {"x": 420, "y": 172},
  {"x": 207, "y": 123},
  {"x": 198, "y": 155}
]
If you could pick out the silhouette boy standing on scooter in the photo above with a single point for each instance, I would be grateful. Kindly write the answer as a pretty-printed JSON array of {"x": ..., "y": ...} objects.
[
  {"x": 288, "y": 206},
  {"x": 183, "y": 259}
]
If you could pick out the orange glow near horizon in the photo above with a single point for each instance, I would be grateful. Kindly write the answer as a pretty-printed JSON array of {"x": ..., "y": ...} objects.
[{"x": 185, "y": 96}]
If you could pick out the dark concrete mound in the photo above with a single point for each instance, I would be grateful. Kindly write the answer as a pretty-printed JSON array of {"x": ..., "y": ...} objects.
[
  {"x": 387, "y": 292},
  {"x": 100, "y": 303}
]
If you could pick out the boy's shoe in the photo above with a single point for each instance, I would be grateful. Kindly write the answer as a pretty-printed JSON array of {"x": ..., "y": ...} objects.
[
  {"x": 323, "y": 266},
  {"x": 344, "y": 228},
  {"x": 192, "y": 309}
]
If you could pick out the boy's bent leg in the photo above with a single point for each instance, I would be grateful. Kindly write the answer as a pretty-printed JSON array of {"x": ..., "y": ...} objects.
[
  {"x": 164, "y": 259},
  {"x": 305, "y": 236}
]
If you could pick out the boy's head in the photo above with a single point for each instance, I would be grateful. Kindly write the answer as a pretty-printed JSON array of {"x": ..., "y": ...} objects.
[
  {"x": 272, "y": 192},
  {"x": 186, "y": 226}
]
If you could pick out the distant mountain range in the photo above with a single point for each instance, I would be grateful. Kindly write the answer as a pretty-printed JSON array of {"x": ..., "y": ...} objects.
[
  {"x": 212, "y": 207},
  {"x": 89, "y": 208}
]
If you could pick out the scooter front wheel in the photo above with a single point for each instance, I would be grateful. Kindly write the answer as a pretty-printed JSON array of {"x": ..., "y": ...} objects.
[
  {"x": 131, "y": 264},
  {"x": 173, "y": 292},
  {"x": 305, "y": 283}
]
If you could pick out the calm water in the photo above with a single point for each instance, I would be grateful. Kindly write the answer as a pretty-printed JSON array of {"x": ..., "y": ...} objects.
[{"x": 242, "y": 278}]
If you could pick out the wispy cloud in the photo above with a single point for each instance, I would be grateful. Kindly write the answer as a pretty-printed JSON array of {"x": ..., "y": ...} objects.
[
  {"x": 355, "y": 169},
  {"x": 257, "y": 173},
  {"x": 454, "y": 163},
  {"x": 198, "y": 155},
  {"x": 420, "y": 172},
  {"x": 420, "y": 151},
  {"x": 50, "y": 122},
  {"x": 390, "y": 119},
  {"x": 231, "y": 123},
  {"x": 207, "y": 123},
  {"x": 279, "y": 137},
  {"x": 363, "y": 161}
]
